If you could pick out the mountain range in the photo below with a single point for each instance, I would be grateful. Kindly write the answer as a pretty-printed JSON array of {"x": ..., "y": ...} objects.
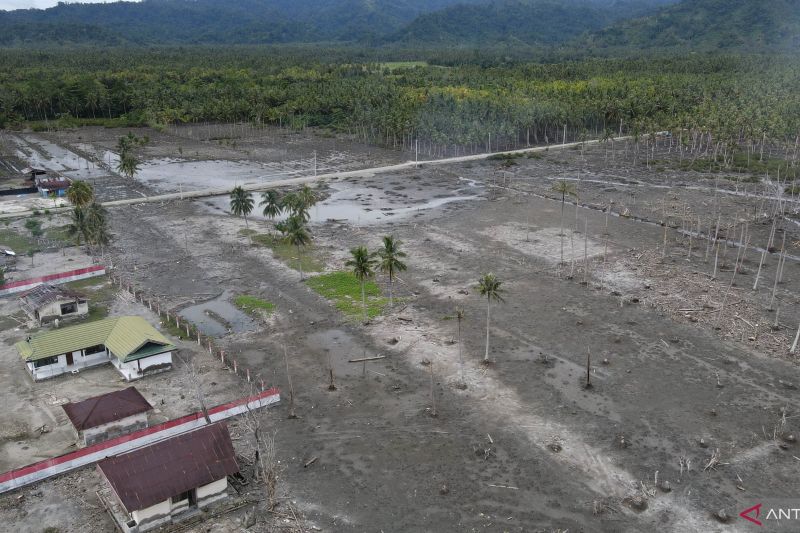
[{"x": 596, "y": 25}]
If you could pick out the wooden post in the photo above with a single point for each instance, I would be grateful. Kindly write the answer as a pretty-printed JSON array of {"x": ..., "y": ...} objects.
[
  {"x": 187, "y": 330},
  {"x": 235, "y": 367},
  {"x": 222, "y": 356},
  {"x": 248, "y": 375},
  {"x": 198, "y": 337},
  {"x": 262, "y": 385}
]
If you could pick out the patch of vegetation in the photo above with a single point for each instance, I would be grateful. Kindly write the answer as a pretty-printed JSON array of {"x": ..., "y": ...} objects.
[
  {"x": 505, "y": 157},
  {"x": 97, "y": 311},
  {"x": 344, "y": 290},
  {"x": 793, "y": 189},
  {"x": 253, "y": 305},
  {"x": 174, "y": 331},
  {"x": 21, "y": 244},
  {"x": 99, "y": 291},
  {"x": 288, "y": 253},
  {"x": 246, "y": 232},
  {"x": 396, "y": 65},
  {"x": 740, "y": 163},
  {"x": 58, "y": 233}
]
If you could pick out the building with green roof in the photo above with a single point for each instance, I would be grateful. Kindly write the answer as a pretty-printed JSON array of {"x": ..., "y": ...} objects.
[{"x": 130, "y": 343}]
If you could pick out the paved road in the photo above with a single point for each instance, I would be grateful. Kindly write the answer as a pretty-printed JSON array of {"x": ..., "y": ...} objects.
[{"x": 261, "y": 186}]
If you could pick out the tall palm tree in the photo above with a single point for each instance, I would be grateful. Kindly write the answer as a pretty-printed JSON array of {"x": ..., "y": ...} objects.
[
  {"x": 241, "y": 203},
  {"x": 128, "y": 164},
  {"x": 564, "y": 188},
  {"x": 390, "y": 261},
  {"x": 80, "y": 193},
  {"x": 307, "y": 195},
  {"x": 363, "y": 265},
  {"x": 490, "y": 287},
  {"x": 295, "y": 204},
  {"x": 78, "y": 228},
  {"x": 97, "y": 224},
  {"x": 297, "y": 234},
  {"x": 271, "y": 202}
]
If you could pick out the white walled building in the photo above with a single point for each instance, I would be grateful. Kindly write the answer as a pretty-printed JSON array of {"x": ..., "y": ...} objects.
[
  {"x": 133, "y": 346},
  {"x": 108, "y": 416}
]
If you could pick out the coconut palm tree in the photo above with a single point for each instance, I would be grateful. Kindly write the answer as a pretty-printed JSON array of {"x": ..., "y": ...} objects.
[
  {"x": 363, "y": 265},
  {"x": 564, "y": 188},
  {"x": 307, "y": 196},
  {"x": 97, "y": 224},
  {"x": 390, "y": 261},
  {"x": 490, "y": 287},
  {"x": 80, "y": 193},
  {"x": 78, "y": 228},
  {"x": 128, "y": 164},
  {"x": 295, "y": 204},
  {"x": 296, "y": 233},
  {"x": 241, "y": 203},
  {"x": 271, "y": 202}
]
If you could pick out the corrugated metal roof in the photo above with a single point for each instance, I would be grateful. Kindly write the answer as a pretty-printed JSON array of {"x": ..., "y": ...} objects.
[
  {"x": 45, "y": 294},
  {"x": 105, "y": 408},
  {"x": 122, "y": 335},
  {"x": 144, "y": 477}
]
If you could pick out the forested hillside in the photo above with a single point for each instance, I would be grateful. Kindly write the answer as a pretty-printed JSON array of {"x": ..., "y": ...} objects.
[
  {"x": 388, "y": 22},
  {"x": 759, "y": 25},
  {"x": 212, "y": 21},
  {"x": 532, "y": 22}
]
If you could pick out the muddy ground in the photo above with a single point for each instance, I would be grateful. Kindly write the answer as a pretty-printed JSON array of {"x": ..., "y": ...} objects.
[{"x": 525, "y": 447}]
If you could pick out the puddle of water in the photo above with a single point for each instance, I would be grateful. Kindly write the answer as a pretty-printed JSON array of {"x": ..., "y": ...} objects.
[
  {"x": 209, "y": 317},
  {"x": 362, "y": 205},
  {"x": 173, "y": 174}
]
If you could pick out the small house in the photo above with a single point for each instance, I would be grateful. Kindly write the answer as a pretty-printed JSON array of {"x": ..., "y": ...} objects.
[
  {"x": 49, "y": 186},
  {"x": 130, "y": 343},
  {"x": 170, "y": 480},
  {"x": 47, "y": 303},
  {"x": 108, "y": 416}
]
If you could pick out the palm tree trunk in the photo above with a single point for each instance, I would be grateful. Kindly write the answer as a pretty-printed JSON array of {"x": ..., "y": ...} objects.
[
  {"x": 363, "y": 301},
  {"x": 300, "y": 263},
  {"x": 488, "y": 317},
  {"x": 391, "y": 292}
]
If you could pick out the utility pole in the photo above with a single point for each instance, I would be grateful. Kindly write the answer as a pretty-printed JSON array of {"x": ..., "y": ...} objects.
[{"x": 416, "y": 152}]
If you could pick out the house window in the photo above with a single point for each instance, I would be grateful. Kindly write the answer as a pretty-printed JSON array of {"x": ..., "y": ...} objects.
[
  {"x": 47, "y": 361},
  {"x": 69, "y": 308},
  {"x": 181, "y": 497},
  {"x": 94, "y": 349}
]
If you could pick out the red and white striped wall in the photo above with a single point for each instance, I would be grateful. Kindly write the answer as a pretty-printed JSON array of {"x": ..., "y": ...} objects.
[
  {"x": 53, "y": 279},
  {"x": 35, "y": 472}
]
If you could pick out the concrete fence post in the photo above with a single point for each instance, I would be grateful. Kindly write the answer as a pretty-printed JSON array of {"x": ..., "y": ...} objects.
[
  {"x": 235, "y": 367},
  {"x": 248, "y": 375},
  {"x": 262, "y": 385},
  {"x": 222, "y": 356},
  {"x": 187, "y": 330}
]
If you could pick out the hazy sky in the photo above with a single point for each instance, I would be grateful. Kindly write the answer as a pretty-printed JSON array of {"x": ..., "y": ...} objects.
[{"x": 41, "y": 4}]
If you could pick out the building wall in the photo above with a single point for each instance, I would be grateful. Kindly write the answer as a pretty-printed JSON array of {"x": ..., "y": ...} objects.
[
  {"x": 137, "y": 369},
  {"x": 208, "y": 494},
  {"x": 79, "y": 362},
  {"x": 154, "y": 516},
  {"x": 48, "y": 313},
  {"x": 168, "y": 511},
  {"x": 113, "y": 429}
]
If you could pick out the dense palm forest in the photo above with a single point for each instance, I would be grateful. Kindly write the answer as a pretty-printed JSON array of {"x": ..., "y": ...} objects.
[{"x": 447, "y": 106}]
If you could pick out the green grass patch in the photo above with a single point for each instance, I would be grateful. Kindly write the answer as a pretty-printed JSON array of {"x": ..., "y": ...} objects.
[
  {"x": 344, "y": 290},
  {"x": 99, "y": 291},
  {"x": 58, "y": 233},
  {"x": 307, "y": 260},
  {"x": 20, "y": 243},
  {"x": 252, "y": 305},
  {"x": 245, "y": 232},
  {"x": 97, "y": 311}
]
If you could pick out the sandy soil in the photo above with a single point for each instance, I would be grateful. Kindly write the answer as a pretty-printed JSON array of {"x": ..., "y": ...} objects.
[{"x": 525, "y": 447}]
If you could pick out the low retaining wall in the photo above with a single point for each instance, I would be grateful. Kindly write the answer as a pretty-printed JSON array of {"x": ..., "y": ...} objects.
[
  {"x": 53, "y": 279},
  {"x": 35, "y": 472}
]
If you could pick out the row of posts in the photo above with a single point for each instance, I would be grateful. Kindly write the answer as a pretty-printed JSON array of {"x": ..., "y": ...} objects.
[{"x": 192, "y": 331}]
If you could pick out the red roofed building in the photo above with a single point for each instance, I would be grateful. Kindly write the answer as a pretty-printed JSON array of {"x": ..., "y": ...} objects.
[
  {"x": 109, "y": 415},
  {"x": 166, "y": 481}
]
